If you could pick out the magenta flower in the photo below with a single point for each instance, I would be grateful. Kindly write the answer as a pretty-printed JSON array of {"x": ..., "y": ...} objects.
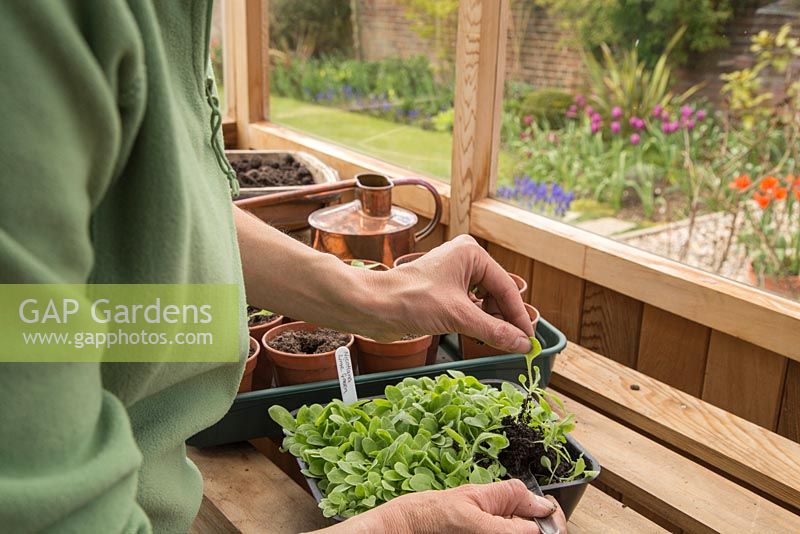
[
  {"x": 596, "y": 117},
  {"x": 637, "y": 123},
  {"x": 580, "y": 100},
  {"x": 528, "y": 120},
  {"x": 523, "y": 135},
  {"x": 589, "y": 110},
  {"x": 664, "y": 115},
  {"x": 616, "y": 127},
  {"x": 572, "y": 112},
  {"x": 689, "y": 124},
  {"x": 595, "y": 127},
  {"x": 675, "y": 125},
  {"x": 635, "y": 138},
  {"x": 658, "y": 110},
  {"x": 701, "y": 114},
  {"x": 686, "y": 112},
  {"x": 552, "y": 138},
  {"x": 665, "y": 127},
  {"x": 616, "y": 112}
]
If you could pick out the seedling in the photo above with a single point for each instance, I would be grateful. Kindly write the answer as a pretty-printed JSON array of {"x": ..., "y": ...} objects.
[
  {"x": 425, "y": 434},
  {"x": 361, "y": 265},
  {"x": 259, "y": 313}
]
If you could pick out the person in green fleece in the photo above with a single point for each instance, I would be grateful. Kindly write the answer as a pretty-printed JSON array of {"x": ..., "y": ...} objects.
[{"x": 112, "y": 173}]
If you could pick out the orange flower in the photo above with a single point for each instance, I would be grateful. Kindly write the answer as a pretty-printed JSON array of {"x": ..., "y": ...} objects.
[
  {"x": 780, "y": 193},
  {"x": 769, "y": 182},
  {"x": 740, "y": 182},
  {"x": 762, "y": 199},
  {"x": 797, "y": 193}
]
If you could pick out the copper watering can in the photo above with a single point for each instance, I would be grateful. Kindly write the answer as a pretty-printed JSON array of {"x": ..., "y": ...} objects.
[{"x": 369, "y": 227}]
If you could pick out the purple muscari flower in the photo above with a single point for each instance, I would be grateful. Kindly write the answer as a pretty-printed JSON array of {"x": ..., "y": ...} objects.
[
  {"x": 319, "y": 96},
  {"x": 413, "y": 113},
  {"x": 595, "y": 127},
  {"x": 580, "y": 100},
  {"x": 658, "y": 110},
  {"x": 616, "y": 127},
  {"x": 616, "y": 112},
  {"x": 387, "y": 106},
  {"x": 701, "y": 114},
  {"x": 635, "y": 138},
  {"x": 686, "y": 112}
]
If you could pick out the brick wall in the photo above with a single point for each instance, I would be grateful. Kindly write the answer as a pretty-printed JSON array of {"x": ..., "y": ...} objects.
[{"x": 545, "y": 59}]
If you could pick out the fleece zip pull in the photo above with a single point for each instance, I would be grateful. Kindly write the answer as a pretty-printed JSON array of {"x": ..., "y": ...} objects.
[{"x": 216, "y": 136}]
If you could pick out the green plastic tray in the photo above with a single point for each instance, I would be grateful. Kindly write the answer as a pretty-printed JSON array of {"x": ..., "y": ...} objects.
[{"x": 248, "y": 419}]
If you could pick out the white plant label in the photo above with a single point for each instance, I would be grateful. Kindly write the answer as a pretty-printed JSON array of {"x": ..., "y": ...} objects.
[{"x": 347, "y": 383}]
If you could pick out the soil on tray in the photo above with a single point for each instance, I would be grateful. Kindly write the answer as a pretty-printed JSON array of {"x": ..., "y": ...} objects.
[
  {"x": 309, "y": 341},
  {"x": 524, "y": 451},
  {"x": 254, "y": 171},
  {"x": 258, "y": 319}
]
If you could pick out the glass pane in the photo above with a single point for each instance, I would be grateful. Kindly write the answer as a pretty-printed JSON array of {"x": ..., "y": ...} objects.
[
  {"x": 376, "y": 77},
  {"x": 670, "y": 128}
]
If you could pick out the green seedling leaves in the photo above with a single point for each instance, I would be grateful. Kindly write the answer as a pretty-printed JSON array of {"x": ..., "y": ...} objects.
[{"x": 425, "y": 434}]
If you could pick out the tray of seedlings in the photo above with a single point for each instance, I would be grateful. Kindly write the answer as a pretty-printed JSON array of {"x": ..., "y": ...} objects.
[{"x": 436, "y": 433}]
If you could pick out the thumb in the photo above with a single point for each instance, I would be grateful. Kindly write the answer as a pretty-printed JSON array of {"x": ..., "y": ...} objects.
[
  {"x": 511, "y": 498},
  {"x": 502, "y": 335}
]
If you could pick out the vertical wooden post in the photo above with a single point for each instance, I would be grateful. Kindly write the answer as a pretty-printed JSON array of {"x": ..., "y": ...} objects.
[
  {"x": 228, "y": 58},
  {"x": 480, "y": 72},
  {"x": 250, "y": 41}
]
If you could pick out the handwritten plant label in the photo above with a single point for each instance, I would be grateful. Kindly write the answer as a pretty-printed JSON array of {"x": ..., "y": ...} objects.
[{"x": 344, "y": 367}]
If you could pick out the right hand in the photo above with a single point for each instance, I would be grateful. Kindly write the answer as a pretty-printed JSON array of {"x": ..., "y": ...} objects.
[{"x": 501, "y": 507}]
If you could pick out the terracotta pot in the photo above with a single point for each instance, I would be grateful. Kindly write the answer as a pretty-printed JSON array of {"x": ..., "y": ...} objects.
[
  {"x": 522, "y": 285},
  {"x": 408, "y": 258},
  {"x": 786, "y": 285},
  {"x": 302, "y": 368},
  {"x": 378, "y": 265},
  {"x": 376, "y": 357},
  {"x": 470, "y": 347},
  {"x": 247, "y": 378},
  {"x": 262, "y": 377}
]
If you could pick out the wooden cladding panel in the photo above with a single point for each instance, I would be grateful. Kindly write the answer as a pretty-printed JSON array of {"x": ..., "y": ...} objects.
[
  {"x": 673, "y": 349},
  {"x": 611, "y": 324},
  {"x": 789, "y": 420},
  {"x": 513, "y": 263},
  {"x": 558, "y": 296},
  {"x": 744, "y": 379}
]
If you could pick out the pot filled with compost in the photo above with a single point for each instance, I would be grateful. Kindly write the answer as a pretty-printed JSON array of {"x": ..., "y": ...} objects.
[
  {"x": 303, "y": 352},
  {"x": 436, "y": 433}
]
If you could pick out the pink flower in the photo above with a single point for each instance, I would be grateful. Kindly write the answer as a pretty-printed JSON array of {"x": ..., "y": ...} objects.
[
  {"x": 637, "y": 123},
  {"x": 616, "y": 112},
  {"x": 580, "y": 100},
  {"x": 664, "y": 115},
  {"x": 596, "y": 117},
  {"x": 635, "y": 138},
  {"x": 616, "y": 127},
  {"x": 572, "y": 112},
  {"x": 595, "y": 127},
  {"x": 674, "y": 126},
  {"x": 688, "y": 124},
  {"x": 528, "y": 120},
  {"x": 665, "y": 127},
  {"x": 686, "y": 112},
  {"x": 523, "y": 135},
  {"x": 589, "y": 110},
  {"x": 552, "y": 137},
  {"x": 658, "y": 110},
  {"x": 701, "y": 114}
]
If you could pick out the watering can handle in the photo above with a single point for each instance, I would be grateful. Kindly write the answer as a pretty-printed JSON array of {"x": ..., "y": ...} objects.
[{"x": 437, "y": 201}]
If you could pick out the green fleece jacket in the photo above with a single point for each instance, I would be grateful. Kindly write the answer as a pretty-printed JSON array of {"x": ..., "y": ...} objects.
[{"x": 108, "y": 176}]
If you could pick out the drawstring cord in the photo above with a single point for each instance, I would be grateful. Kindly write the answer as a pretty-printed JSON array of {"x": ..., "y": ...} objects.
[{"x": 219, "y": 150}]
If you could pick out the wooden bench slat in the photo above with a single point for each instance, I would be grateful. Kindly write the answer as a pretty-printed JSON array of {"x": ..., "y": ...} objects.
[
  {"x": 598, "y": 512},
  {"x": 682, "y": 492},
  {"x": 745, "y": 450},
  {"x": 253, "y": 494}
]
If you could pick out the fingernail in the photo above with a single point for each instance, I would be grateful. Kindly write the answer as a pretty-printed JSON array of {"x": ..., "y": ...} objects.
[
  {"x": 522, "y": 345},
  {"x": 544, "y": 502}
]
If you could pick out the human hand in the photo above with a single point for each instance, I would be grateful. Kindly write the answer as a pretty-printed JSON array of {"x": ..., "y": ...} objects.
[
  {"x": 502, "y": 507},
  {"x": 431, "y": 295}
]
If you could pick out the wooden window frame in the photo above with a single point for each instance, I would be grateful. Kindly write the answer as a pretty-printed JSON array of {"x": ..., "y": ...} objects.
[{"x": 743, "y": 311}]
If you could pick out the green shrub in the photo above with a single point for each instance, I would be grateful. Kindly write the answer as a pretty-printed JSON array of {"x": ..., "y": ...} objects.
[
  {"x": 307, "y": 28},
  {"x": 546, "y": 106}
]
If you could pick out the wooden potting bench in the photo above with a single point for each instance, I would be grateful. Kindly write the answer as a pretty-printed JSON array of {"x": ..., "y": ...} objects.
[{"x": 670, "y": 463}]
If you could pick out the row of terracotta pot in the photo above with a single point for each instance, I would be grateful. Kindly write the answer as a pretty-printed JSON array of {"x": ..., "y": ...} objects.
[{"x": 369, "y": 356}]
